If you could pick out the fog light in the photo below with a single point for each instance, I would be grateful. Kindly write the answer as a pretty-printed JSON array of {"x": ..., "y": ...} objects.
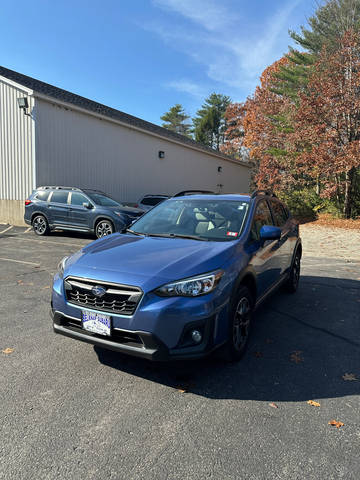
[{"x": 196, "y": 336}]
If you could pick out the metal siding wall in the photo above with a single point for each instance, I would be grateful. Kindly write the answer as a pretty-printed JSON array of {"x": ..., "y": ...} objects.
[
  {"x": 77, "y": 149},
  {"x": 16, "y": 147}
]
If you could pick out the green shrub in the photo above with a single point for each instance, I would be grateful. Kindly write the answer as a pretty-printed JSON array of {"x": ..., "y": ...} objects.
[{"x": 304, "y": 203}]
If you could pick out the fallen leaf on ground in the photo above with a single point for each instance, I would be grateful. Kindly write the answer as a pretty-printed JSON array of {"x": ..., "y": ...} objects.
[
  {"x": 296, "y": 356},
  {"x": 336, "y": 424},
  {"x": 273, "y": 405},
  {"x": 258, "y": 354},
  {"x": 7, "y": 351},
  {"x": 313, "y": 403},
  {"x": 349, "y": 377},
  {"x": 181, "y": 389}
]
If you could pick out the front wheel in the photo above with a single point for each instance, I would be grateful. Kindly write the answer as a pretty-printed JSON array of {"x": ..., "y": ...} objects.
[
  {"x": 292, "y": 283},
  {"x": 239, "y": 325},
  {"x": 104, "y": 228},
  {"x": 40, "y": 225}
]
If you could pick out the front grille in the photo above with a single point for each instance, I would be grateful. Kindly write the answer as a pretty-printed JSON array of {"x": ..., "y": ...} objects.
[{"x": 121, "y": 299}]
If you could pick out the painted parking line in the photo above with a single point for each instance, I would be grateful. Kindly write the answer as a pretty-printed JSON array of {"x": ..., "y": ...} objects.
[
  {"x": 28, "y": 230},
  {"x": 19, "y": 261},
  {"x": 7, "y": 229},
  {"x": 42, "y": 242}
]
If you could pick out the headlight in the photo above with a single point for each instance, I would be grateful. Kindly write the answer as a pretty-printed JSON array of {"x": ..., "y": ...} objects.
[
  {"x": 191, "y": 287},
  {"x": 61, "y": 266}
]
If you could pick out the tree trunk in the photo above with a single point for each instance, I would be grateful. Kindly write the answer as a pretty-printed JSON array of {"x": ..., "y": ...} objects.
[
  {"x": 338, "y": 195},
  {"x": 348, "y": 200}
]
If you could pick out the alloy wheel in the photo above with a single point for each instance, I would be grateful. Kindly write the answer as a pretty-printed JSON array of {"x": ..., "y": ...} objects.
[
  {"x": 296, "y": 271},
  {"x": 103, "y": 229},
  {"x": 39, "y": 225},
  {"x": 241, "y": 324}
]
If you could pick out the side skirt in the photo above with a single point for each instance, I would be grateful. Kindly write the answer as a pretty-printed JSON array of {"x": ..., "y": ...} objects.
[
  {"x": 66, "y": 227},
  {"x": 272, "y": 289}
]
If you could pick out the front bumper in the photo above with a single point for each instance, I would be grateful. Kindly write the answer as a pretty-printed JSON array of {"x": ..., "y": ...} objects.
[{"x": 137, "y": 343}]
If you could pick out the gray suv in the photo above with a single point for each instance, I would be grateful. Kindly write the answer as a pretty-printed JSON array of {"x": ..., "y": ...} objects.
[{"x": 68, "y": 208}]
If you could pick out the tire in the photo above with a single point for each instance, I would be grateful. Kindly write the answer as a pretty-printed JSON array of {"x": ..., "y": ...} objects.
[
  {"x": 240, "y": 322},
  {"x": 292, "y": 283},
  {"x": 40, "y": 225},
  {"x": 104, "y": 228}
]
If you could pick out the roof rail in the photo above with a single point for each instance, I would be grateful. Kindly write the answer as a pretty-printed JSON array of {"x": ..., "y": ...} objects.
[
  {"x": 93, "y": 190},
  {"x": 194, "y": 192},
  {"x": 263, "y": 192},
  {"x": 56, "y": 187}
]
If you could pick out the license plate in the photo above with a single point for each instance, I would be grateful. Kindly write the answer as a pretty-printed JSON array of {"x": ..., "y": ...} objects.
[{"x": 96, "y": 323}]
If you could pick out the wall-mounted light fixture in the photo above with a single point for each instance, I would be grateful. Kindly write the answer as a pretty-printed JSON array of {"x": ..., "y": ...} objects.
[
  {"x": 161, "y": 154},
  {"x": 219, "y": 169},
  {"x": 23, "y": 104}
]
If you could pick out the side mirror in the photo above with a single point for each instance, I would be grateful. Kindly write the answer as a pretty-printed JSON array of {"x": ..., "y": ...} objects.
[
  {"x": 87, "y": 205},
  {"x": 269, "y": 232}
]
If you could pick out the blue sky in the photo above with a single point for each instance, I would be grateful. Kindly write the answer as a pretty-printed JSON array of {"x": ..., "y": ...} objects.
[{"x": 143, "y": 56}]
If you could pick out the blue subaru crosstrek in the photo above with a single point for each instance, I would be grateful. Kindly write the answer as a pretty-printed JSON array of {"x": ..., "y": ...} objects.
[
  {"x": 183, "y": 281},
  {"x": 69, "y": 208}
]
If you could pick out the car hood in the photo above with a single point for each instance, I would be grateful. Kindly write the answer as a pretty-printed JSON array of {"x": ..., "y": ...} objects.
[{"x": 147, "y": 262}]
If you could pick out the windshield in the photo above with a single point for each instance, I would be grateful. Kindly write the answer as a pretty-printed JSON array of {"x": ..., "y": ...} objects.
[
  {"x": 199, "y": 219},
  {"x": 103, "y": 200}
]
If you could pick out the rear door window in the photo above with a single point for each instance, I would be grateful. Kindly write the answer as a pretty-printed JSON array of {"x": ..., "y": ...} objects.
[
  {"x": 262, "y": 217},
  {"x": 59, "y": 197},
  {"x": 279, "y": 213},
  {"x": 78, "y": 199}
]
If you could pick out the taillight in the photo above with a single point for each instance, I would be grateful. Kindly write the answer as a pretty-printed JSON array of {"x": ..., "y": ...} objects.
[
  {"x": 27, "y": 202},
  {"x": 136, "y": 205}
]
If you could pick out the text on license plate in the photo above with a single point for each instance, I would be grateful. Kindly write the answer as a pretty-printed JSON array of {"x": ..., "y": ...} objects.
[{"x": 96, "y": 322}]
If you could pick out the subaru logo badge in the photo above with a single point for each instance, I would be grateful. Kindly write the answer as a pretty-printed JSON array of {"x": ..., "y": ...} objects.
[{"x": 98, "y": 291}]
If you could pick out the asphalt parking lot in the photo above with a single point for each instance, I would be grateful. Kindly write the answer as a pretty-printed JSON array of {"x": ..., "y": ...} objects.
[{"x": 69, "y": 410}]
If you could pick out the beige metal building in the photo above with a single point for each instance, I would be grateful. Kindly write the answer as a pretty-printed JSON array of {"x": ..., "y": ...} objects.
[{"x": 49, "y": 136}]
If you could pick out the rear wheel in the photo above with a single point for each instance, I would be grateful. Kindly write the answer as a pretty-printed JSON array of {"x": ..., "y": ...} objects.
[
  {"x": 292, "y": 283},
  {"x": 239, "y": 325},
  {"x": 104, "y": 228},
  {"x": 40, "y": 225}
]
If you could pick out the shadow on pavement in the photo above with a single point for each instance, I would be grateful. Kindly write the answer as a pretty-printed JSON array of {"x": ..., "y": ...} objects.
[
  {"x": 70, "y": 234},
  {"x": 301, "y": 346}
]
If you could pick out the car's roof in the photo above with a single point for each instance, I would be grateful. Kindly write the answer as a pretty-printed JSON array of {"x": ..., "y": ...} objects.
[
  {"x": 240, "y": 197},
  {"x": 155, "y": 195},
  {"x": 90, "y": 190}
]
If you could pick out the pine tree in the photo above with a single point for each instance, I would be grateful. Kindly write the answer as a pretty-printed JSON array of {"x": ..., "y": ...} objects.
[
  {"x": 329, "y": 23},
  {"x": 326, "y": 27},
  {"x": 209, "y": 123},
  {"x": 175, "y": 120}
]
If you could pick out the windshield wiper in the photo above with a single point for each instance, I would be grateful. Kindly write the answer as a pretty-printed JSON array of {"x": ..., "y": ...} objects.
[
  {"x": 169, "y": 235},
  {"x": 135, "y": 233},
  {"x": 190, "y": 237}
]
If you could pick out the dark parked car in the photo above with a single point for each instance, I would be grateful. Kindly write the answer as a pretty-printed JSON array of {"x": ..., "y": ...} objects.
[
  {"x": 183, "y": 281},
  {"x": 69, "y": 208},
  {"x": 147, "y": 202}
]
